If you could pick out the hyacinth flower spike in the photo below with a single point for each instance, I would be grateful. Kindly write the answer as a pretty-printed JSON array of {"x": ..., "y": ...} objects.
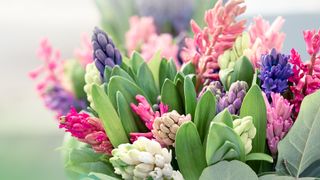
[
  {"x": 87, "y": 129},
  {"x": 104, "y": 51}
]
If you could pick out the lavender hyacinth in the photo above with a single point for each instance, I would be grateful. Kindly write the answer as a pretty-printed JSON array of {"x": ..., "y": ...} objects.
[
  {"x": 275, "y": 72},
  {"x": 104, "y": 51},
  {"x": 216, "y": 88},
  {"x": 60, "y": 100},
  {"x": 233, "y": 98}
]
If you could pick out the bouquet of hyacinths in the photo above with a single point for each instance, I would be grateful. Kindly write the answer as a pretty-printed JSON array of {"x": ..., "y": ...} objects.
[{"x": 237, "y": 108}]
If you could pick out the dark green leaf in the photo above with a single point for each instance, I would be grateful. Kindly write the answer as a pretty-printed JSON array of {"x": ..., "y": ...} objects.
[
  {"x": 259, "y": 157},
  {"x": 162, "y": 72},
  {"x": 154, "y": 66},
  {"x": 170, "y": 96},
  {"x": 188, "y": 68},
  {"x": 189, "y": 151},
  {"x": 190, "y": 97},
  {"x": 276, "y": 177},
  {"x": 243, "y": 71},
  {"x": 146, "y": 83}
]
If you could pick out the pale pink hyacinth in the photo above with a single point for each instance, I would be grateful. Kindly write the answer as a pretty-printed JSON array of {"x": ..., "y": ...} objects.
[
  {"x": 312, "y": 39},
  {"x": 220, "y": 32},
  {"x": 84, "y": 54},
  {"x": 147, "y": 115},
  {"x": 264, "y": 37},
  {"x": 51, "y": 71},
  {"x": 87, "y": 129},
  {"x": 140, "y": 31},
  {"x": 278, "y": 120},
  {"x": 163, "y": 43}
]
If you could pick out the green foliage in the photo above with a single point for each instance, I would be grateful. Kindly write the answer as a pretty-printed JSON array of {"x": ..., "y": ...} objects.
[
  {"x": 233, "y": 170},
  {"x": 190, "y": 97},
  {"x": 109, "y": 117},
  {"x": 146, "y": 82},
  {"x": 276, "y": 177},
  {"x": 154, "y": 66},
  {"x": 300, "y": 148},
  {"x": 77, "y": 79},
  {"x": 171, "y": 97},
  {"x": 189, "y": 151},
  {"x": 188, "y": 68},
  {"x": 243, "y": 71}
]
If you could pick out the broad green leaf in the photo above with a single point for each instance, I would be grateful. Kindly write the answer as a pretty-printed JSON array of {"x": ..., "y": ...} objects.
[
  {"x": 154, "y": 66},
  {"x": 224, "y": 117},
  {"x": 100, "y": 176},
  {"x": 313, "y": 170},
  {"x": 259, "y": 157},
  {"x": 190, "y": 97},
  {"x": 276, "y": 177},
  {"x": 117, "y": 71},
  {"x": 163, "y": 71},
  {"x": 243, "y": 71},
  {"x": 219, "y": 133},
  {"x": 300, "y": 147},
  {"x": 107, "y": 74},
  {"x": 171, "y": 69},
  {"x": 204, "y": 113},
  {"x": 146, "y": 83},
  {"x": 136, "y": 62},
  {"x": 109, "y": 117},
  {"x": 188, "y": 68},
  {"x": 233, "y": 170},
  {"x": 171, "y": 97},
  {"x": 126, "y": 115},
  {"x": 179, "y": 76},
  {"x": 189, "y": 151},
  {"x": 254, "y": 105}
]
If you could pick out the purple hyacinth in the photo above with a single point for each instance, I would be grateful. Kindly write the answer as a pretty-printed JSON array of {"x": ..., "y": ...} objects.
[
  {"x": 216, "y": 88},
  {"x": 60, "y": 100},
  {"x": 104, "y": 51},
  {"x": 274, "y": 72},
  {"x": 233, "y": 98}
]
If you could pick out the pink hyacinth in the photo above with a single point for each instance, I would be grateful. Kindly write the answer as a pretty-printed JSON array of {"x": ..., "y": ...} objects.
[
  {"x": 147, "y": 115},
  {"x": 52, "y": 69},
  {"x": 86, "y": 129},
  {"x": 84, "y": 54},
  {"x": 264, "y": 37},
  {"x": 219, "y": 35},
  {"x": 278, "y": 120},
  {"x": 163, "y": 43},
  {"x": 140, "y": 31},
  {"x": 312, "y": 39}
]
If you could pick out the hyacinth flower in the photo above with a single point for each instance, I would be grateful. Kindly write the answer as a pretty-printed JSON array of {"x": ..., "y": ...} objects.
[
  {"x": 91, "y": 77},
  {"x": 104, "y": 51},
  {"x": 169, "y": 16},
  {"x": 275, "y": 72},
  {"x": 84, "y": 54},
  {"x": 244, "y": 127},
  {"x": 166, "y": 126},
  {"x": 278, "y": 120},
  {"x": 232, "y": 100},
  {"x": 264, "y": 37},
  {"x": 143, "y": 159},
  {"x": 306, "y": 76},
  {"x": 218, "y": 35},
  {"x": 50, "y": 88},
  {"x": 147, "y": 115},
  {"x": 87, "y": 129},
  {"x": 215, "y": 87},
  {"x": 142, "y": 36}
]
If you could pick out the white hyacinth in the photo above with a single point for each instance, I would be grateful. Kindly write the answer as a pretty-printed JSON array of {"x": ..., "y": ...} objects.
[
  {"x": 143, "y": 159},
  {"x": 244, "y": 127},
  {"x": 91, "y": 77}
]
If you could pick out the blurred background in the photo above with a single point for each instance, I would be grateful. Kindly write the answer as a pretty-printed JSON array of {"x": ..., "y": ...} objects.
[{"x": 29, "y": 134}]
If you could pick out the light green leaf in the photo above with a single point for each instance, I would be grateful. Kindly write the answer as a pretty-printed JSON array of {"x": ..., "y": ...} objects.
[
  {"x": 233, "y": 170},
  {"x": 224, "y": 117},
  {"x": 107, "y": 74},
  {"x": 171, "y": 97},
  {"x": 146, "y": 83},
  {"x": 109, "y": 117},
  {"x": 126, "y": 115},
  {"x": 188, "y": 68},
  {"x": 259, "y": 157},
  {"x": 190, "y": 97},
  {"x": 136, "y": 62},
  {"x": 243, "y": 71},
  {"x": 117, "y": 71},
  {"x": 154, "y": 66},
  {"x": 276, "y": 177},
  {"x": 163, "y": 71},
  {"x": 300, "y": 147},
  {"x": 204, "y": 113},
  {"x": 101, "y": 176},
  {"x": 189, "y": 151}
]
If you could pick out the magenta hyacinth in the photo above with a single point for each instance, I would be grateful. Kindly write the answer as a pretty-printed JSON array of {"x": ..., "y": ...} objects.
[
  {"x": 278, "y": 120},
  {"x": 147, "y": 115},
  {"x": 87, "y": 129}
]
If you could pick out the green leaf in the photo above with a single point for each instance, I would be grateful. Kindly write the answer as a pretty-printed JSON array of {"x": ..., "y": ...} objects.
[
  {"x": 219, "y": 133},
  {"x": 162, "y": 72},
  {"x": 204, "y": 113},
  {"x": 224, "y": 117},
  {"x": 233, "y": 170},
  {"x": 171, "y": 69},
  {"x": 101, "y": 176},
  {"x": 190, "y": 97},
  {"x": 300, "y": 147},
  {"x": 126, "y": 115},
  {"x": 136, "y": 62},
  {"x": 77, "y": 79},
  {"x": 154, "y": 66},
  {"x": 276, "y": 177},
  {"x": 117, "y": 71},
  {"x": 107, "y": 74},
  {"x": 189, "y": 151},
  {"x": 109, "y": 117},
  {"x": 254, "y": 105},
  {"x": 171, "y": 97},
  {"x": 313, "y": 170},
  {"x": 243, "y": 71},
  {"x": 259, "y": 157},
  {"x": 188, "y": 68},
  {"x": 147, "y": 83}
]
